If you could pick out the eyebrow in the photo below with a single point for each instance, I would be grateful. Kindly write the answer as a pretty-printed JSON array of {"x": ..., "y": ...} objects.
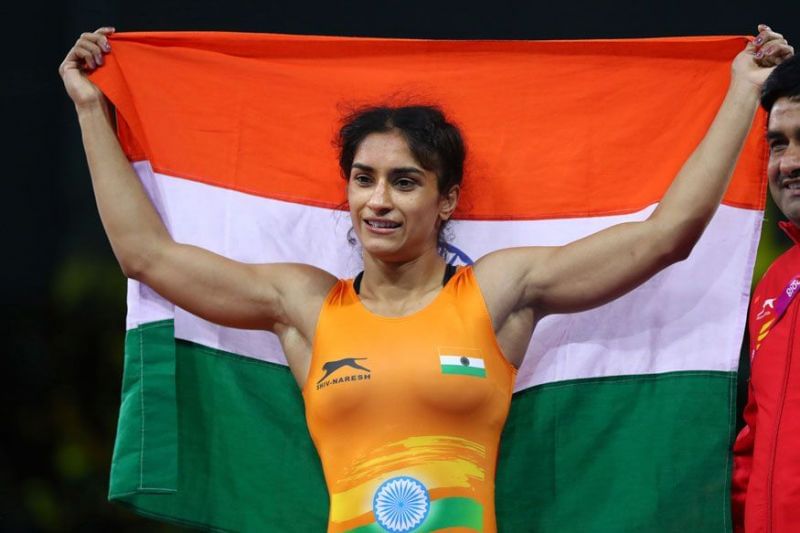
[{"x": 398, "y": 170}]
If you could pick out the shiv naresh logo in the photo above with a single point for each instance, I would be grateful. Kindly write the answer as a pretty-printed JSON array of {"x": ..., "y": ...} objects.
[{"x": 348, "y": 362}]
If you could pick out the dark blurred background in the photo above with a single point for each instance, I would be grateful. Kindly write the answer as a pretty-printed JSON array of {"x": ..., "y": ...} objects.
[{"x": 63, "y": 313}]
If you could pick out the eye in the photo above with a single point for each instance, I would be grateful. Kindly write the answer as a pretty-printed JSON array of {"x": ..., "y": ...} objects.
[
  {"x": 362, "y": 179},
  {"x": 405, "y": 184},
  {"x": 777, "y": 145}
]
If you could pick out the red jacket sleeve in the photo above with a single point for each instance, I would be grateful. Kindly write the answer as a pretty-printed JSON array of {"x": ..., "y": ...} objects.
[{"x": 743, "y": 460}]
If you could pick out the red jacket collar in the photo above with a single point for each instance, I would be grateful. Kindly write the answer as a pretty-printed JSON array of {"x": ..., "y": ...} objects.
[{"x": 791, "y": 230}]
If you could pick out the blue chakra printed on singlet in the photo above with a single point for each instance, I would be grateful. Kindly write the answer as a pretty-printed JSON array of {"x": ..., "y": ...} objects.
[{"x": 401, "y": 504}]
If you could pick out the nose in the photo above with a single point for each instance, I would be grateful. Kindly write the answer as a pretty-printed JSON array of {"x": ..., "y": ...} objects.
[
  {"x": 790, "y": 161},
  {"x": 380, "y": 198}
]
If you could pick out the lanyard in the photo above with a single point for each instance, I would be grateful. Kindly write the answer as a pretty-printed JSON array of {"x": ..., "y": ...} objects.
[{"x": 781, "y": 304}]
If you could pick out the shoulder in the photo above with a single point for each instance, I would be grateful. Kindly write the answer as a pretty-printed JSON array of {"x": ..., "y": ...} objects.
[
  {"x": 340, "y": 293},
  {"x": 508, "y": 279},
  {"x": 515, "y": 270},
  {"x": 788, "y": 261},
  {"x": 514, "y": 262},
  {"x": 780, "y": 271},
  {"x": 773, "y": 282},
  {"x": 308, "y": 279},
  {"x": 301, "y": 288}
]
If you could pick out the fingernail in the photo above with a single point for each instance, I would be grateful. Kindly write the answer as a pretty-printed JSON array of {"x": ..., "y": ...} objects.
[
  {"x": 99, "y": 59},
  {"x": 759, "y": 53},
  {"x": 106, "y": 47},
  {"x": 758, "y": 40}
]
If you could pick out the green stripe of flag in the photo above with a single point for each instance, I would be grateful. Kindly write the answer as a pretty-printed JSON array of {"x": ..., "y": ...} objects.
[
  {"x": 464, "y": 370},
  {"x": 447, "y": 512},
  {"x": 621, "y": 453},
  {"x": 231, "y": 408}
]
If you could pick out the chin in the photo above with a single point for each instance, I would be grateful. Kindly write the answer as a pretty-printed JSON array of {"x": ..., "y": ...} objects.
[
  {"x": 388, "y": 254},
  {"x": 391, "y": 252},
  {"x": 791, "y": 209}
]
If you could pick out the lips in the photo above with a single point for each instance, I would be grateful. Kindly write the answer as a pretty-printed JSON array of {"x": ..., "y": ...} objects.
[
  {"x": 381, "y": 224},
  {"x": 791, "y": 184},
  {"x": 376, "y": 226}
]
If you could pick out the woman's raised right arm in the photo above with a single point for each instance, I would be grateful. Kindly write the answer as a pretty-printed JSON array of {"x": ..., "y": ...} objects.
[{"x": 218, "y": 289}]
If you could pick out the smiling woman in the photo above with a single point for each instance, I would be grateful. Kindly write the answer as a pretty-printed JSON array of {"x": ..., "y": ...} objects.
[
  {"x": 407, "y": 376},
  {"x": 431, "y": 148},
  {"x": 395, "y": 204}
]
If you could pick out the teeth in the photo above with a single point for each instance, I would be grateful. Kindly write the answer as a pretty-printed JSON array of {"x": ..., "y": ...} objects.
[
  {"x": 382, "y": 224},
  {"x": 795, "y": 185}
]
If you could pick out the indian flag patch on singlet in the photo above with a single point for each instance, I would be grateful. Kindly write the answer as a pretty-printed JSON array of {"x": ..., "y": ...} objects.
[{"x": 461, "y": 364}]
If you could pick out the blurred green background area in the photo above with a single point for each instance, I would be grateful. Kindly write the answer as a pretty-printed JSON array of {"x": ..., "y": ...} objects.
[{"x": 64, "y": 305}]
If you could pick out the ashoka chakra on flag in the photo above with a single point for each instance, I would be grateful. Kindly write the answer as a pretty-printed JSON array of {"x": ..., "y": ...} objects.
[{"x": 401, "y": 504}]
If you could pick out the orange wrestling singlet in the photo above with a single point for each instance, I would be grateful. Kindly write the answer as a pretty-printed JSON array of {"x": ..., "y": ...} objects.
[{"x": 406, "y": 413}]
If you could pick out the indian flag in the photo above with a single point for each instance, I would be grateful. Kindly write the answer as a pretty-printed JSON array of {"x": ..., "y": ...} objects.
[
  {"x": 463, "y": 365},
  {"x": 421, "y": 482},
  {"x": 622, "y": 415}
]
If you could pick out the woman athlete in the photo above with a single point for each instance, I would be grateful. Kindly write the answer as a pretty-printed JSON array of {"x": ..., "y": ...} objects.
[{"x": 409, "y": 336}]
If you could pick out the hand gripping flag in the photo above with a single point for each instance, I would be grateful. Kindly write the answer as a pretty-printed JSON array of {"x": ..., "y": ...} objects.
[{"x": 622, "y": 415}]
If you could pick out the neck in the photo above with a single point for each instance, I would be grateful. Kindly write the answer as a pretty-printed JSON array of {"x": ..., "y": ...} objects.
[{"x": 401, "y": 280}]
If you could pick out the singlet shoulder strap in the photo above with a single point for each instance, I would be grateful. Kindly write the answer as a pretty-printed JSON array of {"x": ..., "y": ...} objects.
[
  {"x": 449, "y": 272},
  {"x": 357, "y": 282}
]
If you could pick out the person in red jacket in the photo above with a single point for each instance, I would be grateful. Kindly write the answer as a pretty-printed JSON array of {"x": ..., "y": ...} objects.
[{"x": 766, "y": 476}]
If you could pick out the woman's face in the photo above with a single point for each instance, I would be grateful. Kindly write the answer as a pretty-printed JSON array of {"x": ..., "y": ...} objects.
[{"x": 395, "y": 204}]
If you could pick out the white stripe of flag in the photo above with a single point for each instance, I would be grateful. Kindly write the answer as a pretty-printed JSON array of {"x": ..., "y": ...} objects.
[{"x": 457, "y": 360}]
